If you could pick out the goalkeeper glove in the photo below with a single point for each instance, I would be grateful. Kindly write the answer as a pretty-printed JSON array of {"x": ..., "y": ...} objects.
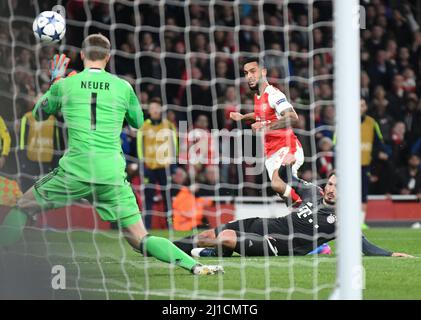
[{"x": 58, "y": 67}]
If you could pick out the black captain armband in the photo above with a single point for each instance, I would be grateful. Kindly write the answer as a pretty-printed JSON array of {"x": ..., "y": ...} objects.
[
  {"x": 142, "y": 247},
  {"x": 41, "y": 114}
]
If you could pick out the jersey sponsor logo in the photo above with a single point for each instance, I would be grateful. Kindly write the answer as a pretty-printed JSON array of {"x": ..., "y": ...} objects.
[
  {"x": 306, "y": 213},
  {"x": 280, "y": 101}
]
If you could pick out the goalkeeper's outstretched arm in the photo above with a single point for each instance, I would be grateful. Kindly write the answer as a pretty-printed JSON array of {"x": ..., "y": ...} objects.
[{"x": 48, "y": 104}]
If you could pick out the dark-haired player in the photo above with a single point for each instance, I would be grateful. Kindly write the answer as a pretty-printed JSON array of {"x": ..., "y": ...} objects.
[
  {"x": 274, "y": 115},
  {"x": 307, "y": 227}
]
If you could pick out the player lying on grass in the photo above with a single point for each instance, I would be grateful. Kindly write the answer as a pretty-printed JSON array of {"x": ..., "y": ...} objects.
[
  {"x": 308, "y": 226},
  {"x": 94, "y": 104}
]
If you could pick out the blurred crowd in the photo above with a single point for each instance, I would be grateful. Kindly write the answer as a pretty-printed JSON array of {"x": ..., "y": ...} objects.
[{"x": 190, "y": 61}]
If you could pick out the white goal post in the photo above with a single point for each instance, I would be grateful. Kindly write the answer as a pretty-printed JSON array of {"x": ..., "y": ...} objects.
[{"x": 347, "y": 99}]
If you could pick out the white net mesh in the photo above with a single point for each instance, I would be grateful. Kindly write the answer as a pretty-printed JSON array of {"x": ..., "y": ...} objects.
[{"x": 189, "y": 54}]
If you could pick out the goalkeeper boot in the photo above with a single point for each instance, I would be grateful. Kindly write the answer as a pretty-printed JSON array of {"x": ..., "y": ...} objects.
[
  {"x": 364, "y": 226},
  {"x": 323, "y": 249},
  {"x": 204, "y": 270},
  {"x": 203, "y": 252}
]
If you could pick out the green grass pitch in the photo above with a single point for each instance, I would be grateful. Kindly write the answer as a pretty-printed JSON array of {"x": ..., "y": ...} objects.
[{"x": 102, "y": 266}]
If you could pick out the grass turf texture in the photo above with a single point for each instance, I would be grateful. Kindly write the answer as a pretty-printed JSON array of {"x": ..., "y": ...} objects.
[{"x": 99, "y": 266}]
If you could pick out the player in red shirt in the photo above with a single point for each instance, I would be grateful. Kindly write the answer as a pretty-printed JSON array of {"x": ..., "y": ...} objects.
[{"x": 274, "y": 115}]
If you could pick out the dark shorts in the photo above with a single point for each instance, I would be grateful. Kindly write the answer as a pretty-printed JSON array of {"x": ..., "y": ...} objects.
[
  {"x": 274, "y": 229},
  {"x": 112, "y": 202},
  {"x": 260, "y": 226},
  {"x": 365, "y": 182}
]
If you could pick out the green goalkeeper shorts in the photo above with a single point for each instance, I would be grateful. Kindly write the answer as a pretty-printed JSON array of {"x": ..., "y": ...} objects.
[{"x": 112, "y": 202}]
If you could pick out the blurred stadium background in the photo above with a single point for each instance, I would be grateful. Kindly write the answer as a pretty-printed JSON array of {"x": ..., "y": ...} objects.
[{"x": 188, "y": 57}]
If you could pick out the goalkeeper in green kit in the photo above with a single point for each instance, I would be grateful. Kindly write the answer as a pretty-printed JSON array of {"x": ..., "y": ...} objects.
[{"x": 94, "y": 104}]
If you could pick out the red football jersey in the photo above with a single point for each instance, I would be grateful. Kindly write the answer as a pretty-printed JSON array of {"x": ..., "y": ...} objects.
[{"x": 268, "y": 107}]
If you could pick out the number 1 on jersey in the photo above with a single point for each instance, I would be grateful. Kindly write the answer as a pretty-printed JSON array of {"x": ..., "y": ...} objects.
[{"x": 93, "y": 110}]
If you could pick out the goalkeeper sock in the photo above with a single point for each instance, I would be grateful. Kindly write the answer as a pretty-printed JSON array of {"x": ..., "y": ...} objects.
[
  {"x": 12, "y": 228},
  {"x": 186, "y": 244},
  {"x": 164, "y": 250}
]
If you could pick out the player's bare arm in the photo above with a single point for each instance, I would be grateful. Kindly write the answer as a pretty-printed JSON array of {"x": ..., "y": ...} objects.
[
  {"x": 401, "y": 255},
  {"x": 288, "y": 118},
  {"x": 236, "y": 116}
]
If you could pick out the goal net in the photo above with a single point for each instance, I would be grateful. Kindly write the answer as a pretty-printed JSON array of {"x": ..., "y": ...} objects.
[{"x": 189, "y": 54}]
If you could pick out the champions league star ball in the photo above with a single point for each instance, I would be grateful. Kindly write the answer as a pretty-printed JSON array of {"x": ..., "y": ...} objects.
[{"x": 49, "y": 26}]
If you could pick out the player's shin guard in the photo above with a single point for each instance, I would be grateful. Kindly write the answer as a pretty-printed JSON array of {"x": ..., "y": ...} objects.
[
  {"x": 12, "y": 227},
  {"x": 251, "y": 244},
  {"x": 164, "y": 250}
]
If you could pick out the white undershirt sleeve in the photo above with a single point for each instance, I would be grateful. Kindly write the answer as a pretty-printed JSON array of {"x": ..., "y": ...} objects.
[{"x": 279, "y": 102}]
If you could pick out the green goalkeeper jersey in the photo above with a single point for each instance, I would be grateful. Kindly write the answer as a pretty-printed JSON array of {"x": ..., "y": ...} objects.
[{"x": 94, "y": 104}]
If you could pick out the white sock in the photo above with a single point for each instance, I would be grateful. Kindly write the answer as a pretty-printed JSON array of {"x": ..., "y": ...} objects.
[{"x": 287, "y": 192}]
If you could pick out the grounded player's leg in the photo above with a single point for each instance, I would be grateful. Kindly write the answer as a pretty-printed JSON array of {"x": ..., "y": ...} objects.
[
  {"x": 244, "y": 243},
  {"x": 220, "y": 243},
  {"x": 204, "y": 244},
  {"x": 208, "y": 245},
  {"x": 248, "y": 244},
  {"x": 187, "y": 244},
  {"x": 14, "y": 222}
]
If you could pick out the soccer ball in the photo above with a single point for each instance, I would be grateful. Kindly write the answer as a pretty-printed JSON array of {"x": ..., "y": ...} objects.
[{"x": 49, "y": 26}]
